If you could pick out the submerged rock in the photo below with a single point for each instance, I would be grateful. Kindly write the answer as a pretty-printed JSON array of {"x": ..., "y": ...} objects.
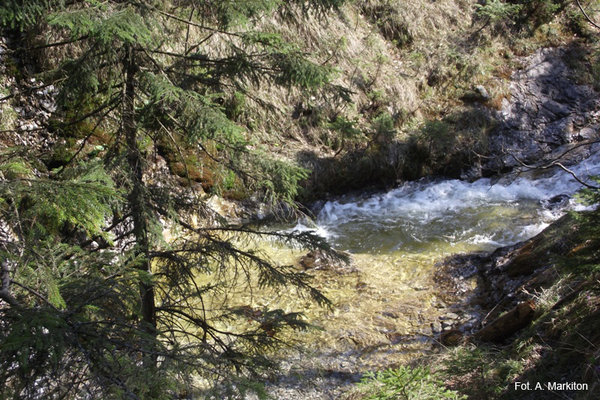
[{"x": 333, "y": 260}]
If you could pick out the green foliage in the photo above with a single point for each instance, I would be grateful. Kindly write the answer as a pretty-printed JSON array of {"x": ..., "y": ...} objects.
[
  {"x": 345, "y": 131},
  {"x": 22, "y": 14},
  {"x": 81, "y": 197},
  {"x": 578, "y": 24},
  {"x": 589, "y": 195},
  {"x": 123, "y": 26},
  {"x": 435, "y": 130},
  {"x": 235, "y": 106},
  {"x": 197, "y": 116},
  {"x": 345, "y": 127},
  {"x": 542, "y": 11},
  {"x": 278, "y": 178},
  {"x": 295, "y": 70},
  {"x": 229, "y": 12},
  {"x": 584, "y": 239},
  {"x": 524, "y": 15},
  {"x": 497, "y": 10},
  {"x": 448, "y": 146},
  {"x": 291, "y": 66},
  {"x": 406, "y": 383},
  {"x": 43, "y": 344},
  {"x": 122, "y": 313},
  {"x": 15, "y": 168},
  {"x": 490, "y": 369},
  {"x": 383, "y": 127}
]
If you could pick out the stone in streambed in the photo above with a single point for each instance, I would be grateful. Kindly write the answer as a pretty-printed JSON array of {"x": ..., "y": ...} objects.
[{"x": 334, "y": 260}]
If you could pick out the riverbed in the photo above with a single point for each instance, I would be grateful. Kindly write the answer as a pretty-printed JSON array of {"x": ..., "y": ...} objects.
[{"x": 386, "y": 305}]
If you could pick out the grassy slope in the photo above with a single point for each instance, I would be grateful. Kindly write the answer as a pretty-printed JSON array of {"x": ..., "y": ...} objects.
[
  {"x": 411, "y": 63},
  {"x": 401, "y": 103}
]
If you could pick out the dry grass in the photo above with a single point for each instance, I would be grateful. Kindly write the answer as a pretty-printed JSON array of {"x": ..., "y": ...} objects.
[{"x": 8, "y": 116}]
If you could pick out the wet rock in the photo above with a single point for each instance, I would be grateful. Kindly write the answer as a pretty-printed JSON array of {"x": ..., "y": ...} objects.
[
  {"x": 482, "y": 91},
  {"x": 449, "y": 316},
  {"x": 556, "y": 202},
  {"x": 229, "y": 210},
  {"x": 310, "y": 260},
  {"x": 478, "y": 95},
  {"x": 447, "y": 325},
  {"x": 588, "y": 133}
]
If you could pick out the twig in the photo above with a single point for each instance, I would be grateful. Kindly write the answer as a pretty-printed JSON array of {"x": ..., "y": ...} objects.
[
  {"x": 556, "y": 163},
  {"x": 586, "y": 15}
]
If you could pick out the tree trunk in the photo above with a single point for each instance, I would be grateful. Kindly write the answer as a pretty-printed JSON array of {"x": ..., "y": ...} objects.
[{"x": 137, "y": 196}]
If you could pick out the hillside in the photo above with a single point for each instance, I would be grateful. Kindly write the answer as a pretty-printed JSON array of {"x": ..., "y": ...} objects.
[
  {"x": 406, "y": 83},
  {"x": 158, "y": 161}
]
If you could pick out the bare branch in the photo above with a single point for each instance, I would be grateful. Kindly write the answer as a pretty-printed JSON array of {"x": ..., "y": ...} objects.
[
  {"x": 577, "y": 178},
  {"x": 556, "y": 163},
  {"x": 586, "y": 15}
]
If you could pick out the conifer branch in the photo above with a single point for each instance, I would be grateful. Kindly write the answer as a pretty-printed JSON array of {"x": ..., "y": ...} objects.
[
  {"x": 88, "y": 136},
  {"x": 200, "y": 43},
  {"x": 110, "y": 103},
  {"x": 192, "y": 23},
  {"x": 35, "y": 293},
  {"x": 57, "y": 44}
]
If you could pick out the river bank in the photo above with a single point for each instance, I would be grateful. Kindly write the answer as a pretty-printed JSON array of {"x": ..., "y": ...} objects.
[{"x": 410, "y": 290}]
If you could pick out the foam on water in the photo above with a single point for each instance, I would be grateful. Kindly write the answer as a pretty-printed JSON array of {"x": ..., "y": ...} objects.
[{"x": 483, "y": 212}]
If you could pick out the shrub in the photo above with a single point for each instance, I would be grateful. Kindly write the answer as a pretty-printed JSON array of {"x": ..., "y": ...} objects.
[{"x": 405, "y": 383}]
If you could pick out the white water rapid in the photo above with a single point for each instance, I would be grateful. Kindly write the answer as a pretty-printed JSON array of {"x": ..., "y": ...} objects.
[{"x": 422, "y": 216}]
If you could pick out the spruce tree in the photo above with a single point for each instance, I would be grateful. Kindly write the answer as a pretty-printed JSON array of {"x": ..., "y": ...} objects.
[{"x": 97, "y": 304}]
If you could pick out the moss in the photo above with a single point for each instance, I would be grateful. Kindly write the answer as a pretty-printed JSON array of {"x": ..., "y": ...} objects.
[
  {"x": 12, "y": 68},
  {"x": 235, "y": 106}
]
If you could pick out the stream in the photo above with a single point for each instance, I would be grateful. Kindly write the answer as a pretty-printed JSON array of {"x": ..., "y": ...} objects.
[
  {"x": 386, "y": 310},
  {"x": 434, "y": 216}
]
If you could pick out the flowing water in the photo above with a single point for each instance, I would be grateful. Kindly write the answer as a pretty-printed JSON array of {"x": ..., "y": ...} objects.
[
  {"x": 421, "y": 217},
  {"x": 386, "y": 308}
]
